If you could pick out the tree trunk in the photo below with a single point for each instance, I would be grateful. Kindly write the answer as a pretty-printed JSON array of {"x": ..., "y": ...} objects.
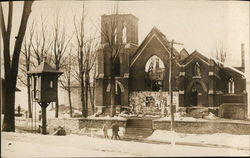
[
  {"x": 112, "y": 88},
  {"x": 69, "y": 97},
  {"x": 112, "y": 95},
  {"x": 70, "y": 103},
  {"x": 29, "y": 97},
  {"x": 57, "y": 107},
  {"x": 11, "y": 70},
  {"x": 82, "y": 97},
  {"x": 9, "y": 117},
  {"x": 91, "y": 97},
  {"x": 86, "y": 91}
]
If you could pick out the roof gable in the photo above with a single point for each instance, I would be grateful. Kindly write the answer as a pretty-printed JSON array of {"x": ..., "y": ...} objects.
[
  {"x": 194, "y": 55},
  {"x": 159, "y": 36},
  {"x": 183, "y": 54}
]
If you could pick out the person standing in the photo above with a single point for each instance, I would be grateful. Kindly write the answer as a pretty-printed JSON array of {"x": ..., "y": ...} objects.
[
  {"x": 105, "y": 130},
  {"x": 115, "y": 130}
]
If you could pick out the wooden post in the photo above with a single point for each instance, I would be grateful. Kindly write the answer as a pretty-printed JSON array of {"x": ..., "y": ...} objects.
[
  {"x": 44, "y": 119},
  {"x": 170, "y": 89}
]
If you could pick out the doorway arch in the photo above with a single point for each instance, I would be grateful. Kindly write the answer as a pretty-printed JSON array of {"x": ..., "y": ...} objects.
[
  {"x": 119, "y": 92},
  {"x": 196, "y": 94}
]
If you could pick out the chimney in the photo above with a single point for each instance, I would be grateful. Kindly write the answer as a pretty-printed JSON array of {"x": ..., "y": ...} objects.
[{"x": 242, "y": 57}]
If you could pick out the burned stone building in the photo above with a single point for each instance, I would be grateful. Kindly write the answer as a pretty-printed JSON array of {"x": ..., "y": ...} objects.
[{"x": 142, "y": 74}]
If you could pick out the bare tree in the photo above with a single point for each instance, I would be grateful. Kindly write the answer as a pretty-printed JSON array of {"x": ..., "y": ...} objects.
[
  {"x": 11, "y": 64},
  {"x": 86, "y": 56},
  {"x": 89, "y": 62},
  {"x": 60, "y": 45},
  {"x": 66, "y": 79},
  {"x": 25, "y": 64},
  {"x": 221, "y": 53},
  {"x": 79, "y": 33},
  {"x": 114, "y": 46},
  {"x": 41, "y": 43},
  {"x": 91, "y": 89}
]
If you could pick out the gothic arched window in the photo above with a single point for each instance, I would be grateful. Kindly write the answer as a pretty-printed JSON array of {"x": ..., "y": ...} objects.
[
  {"x": 231, "y": 86},
  {"x": 106, "y": 32},
  {"x": 197, "y": 71},
  {"x": 117, "y": 66},
  {"x": 124, "y": 34},
  {"x": 154, "y": 74}
]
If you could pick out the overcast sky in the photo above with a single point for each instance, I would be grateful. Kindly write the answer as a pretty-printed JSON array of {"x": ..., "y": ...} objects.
[{"x": 199, "y": 25}]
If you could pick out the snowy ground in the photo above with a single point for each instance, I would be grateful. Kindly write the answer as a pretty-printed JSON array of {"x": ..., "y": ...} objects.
[
  {"x": 217, "y": 139},
  {"x": 33, "y": 145}
]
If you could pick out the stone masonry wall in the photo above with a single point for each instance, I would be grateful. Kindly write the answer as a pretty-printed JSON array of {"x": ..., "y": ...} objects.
[
  {"x": 203, "y": 127},
  {"x": 73, "y": 125}
]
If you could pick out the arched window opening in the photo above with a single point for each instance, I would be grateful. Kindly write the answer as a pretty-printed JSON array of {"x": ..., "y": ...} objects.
[
  {"x": 197, "y": 71},
  {"x": 117, "y": 66},
  {"x": 124, "y": 34},
  {"x": 106, "y": 32},
  {"x": 117, "y": 94},
  {"x": 231, "y": 86},
  {"x": 154, "y": 74}
]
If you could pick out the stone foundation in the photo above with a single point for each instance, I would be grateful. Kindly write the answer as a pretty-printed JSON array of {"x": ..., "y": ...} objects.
[
  {"x": 74, "y": 125},
  {"x": 205, "y": 127},
  {"x": 233, "y": 111}
]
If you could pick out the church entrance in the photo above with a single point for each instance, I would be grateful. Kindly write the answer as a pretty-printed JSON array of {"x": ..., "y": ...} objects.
[
  {"x": 193, "y": 99},
  {"x": 196, "y": 97}
]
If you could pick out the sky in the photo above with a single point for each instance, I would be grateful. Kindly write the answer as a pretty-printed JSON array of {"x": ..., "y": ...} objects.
[{"x": 199, "y": 25}]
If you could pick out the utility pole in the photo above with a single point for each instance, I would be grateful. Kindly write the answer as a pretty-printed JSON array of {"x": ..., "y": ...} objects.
[{"x": 170, "y": 90}]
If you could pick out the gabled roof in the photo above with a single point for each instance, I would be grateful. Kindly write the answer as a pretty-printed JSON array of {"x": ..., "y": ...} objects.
[
  {"x": 193, "y": 55},
  {"x": 44, "y": 68},
  {"x": 183, "y": 54},
  {"x": 153, "y": 33}
]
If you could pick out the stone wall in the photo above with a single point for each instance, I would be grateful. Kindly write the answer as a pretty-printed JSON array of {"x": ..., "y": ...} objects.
[
  {"x": 98, "y": 123},
  {"x": 73, "y": 125},
  {"x": 69, "y": 124},
  {"x": 204, "y": 127},
  {"x": 233, "y": 111}
]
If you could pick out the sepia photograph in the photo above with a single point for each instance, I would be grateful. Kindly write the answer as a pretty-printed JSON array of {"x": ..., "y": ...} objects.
[{"x": 129, "y": 78}]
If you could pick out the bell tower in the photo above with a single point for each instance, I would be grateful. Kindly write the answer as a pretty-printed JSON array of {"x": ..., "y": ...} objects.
[
  {"x": 123, "y": 27},
  {"x": 117, "y": 31}
]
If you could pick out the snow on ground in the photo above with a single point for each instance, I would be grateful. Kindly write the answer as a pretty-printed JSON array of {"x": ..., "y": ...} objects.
[
  {"x": 34, "y": 145},
  {"x": 107, "y": 118},
  {"x": 99, "y": 132},
  {"x": 236, "y": 141},
  {"x": 168, "y": 118}
]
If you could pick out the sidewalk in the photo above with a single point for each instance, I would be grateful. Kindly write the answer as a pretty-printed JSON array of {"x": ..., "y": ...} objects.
[{"x": 223, "y": 140}]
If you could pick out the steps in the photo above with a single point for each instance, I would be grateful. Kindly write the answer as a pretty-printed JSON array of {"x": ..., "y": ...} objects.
[
  {"x": 138, "y": 129},
  {"x": 139, "y": 123}
]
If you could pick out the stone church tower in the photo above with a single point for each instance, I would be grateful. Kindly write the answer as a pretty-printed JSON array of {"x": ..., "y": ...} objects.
[{"x": 123, "y": 28}]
